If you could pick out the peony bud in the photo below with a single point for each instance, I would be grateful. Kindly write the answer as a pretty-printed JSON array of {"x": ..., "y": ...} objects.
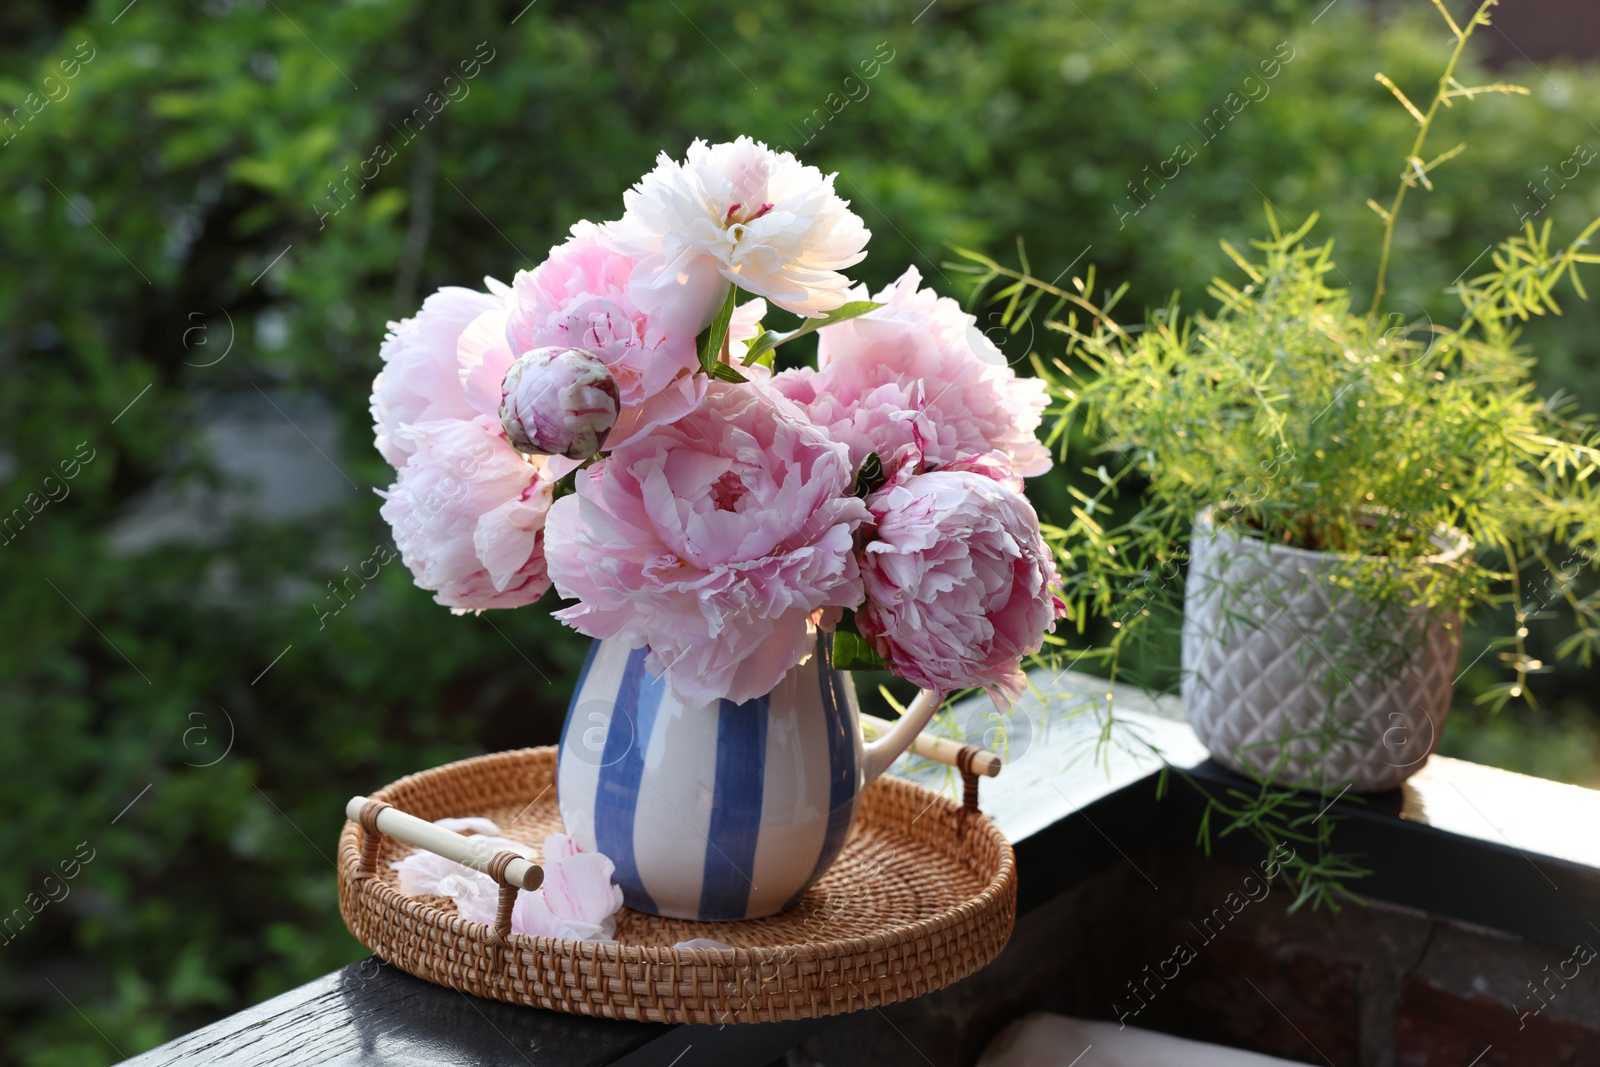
[{"x": 558, "y": 402}]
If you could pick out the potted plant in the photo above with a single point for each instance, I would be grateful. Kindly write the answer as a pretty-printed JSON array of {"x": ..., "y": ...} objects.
[
  {"x": 1346, "y": 487},
  {"x": 732, "y": 536}
]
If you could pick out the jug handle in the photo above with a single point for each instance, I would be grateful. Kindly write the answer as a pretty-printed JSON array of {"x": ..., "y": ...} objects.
[{"x": 886, "y": 749}]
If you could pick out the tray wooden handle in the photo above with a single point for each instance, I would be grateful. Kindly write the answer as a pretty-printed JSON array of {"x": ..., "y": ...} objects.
[{"x": 376, "y": 817}]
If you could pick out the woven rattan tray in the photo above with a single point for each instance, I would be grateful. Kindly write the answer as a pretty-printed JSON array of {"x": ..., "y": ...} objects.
[{"x": 923, "y": 895}]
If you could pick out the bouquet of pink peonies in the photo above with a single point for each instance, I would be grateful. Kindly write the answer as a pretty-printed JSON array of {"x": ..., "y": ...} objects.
[{"x": 611, "y": 424}]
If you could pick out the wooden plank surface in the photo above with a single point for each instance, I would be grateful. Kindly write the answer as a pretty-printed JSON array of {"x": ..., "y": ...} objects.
[{"x": 370, "y": 1013}]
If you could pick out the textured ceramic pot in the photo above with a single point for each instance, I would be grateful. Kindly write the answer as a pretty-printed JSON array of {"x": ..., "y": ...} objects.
[
  {"x": 717, "y": 811},
  {"x": 1277, "y": 662}
]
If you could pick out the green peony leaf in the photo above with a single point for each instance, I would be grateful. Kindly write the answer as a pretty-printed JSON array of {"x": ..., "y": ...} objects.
[
  {"x": 770, "y": 340},
  {"x": 869, "y": 476},
  {"x": 852, "y": 652},
  {"x": 716, "y": 335}
]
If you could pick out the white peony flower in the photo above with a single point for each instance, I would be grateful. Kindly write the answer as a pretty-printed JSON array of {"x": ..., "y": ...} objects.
[{"x": 736, "y": 212}]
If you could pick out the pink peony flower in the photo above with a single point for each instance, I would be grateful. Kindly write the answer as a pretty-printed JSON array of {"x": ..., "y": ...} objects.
[
  {"x": 577, "y": 901},
  {"x": 917, "y": 371},
  {"x": 883, "y": 419},
  {"x": 578, "y": 298},
  {"x": 468, "y": 514},
  {"x": 558, "y": 402},
  {"x": 736, "y": 212},
  {"x": 958, "y": 580},
  {"x": 421, "y": 378},
  {"x": 483, "y": 359},
  {"x": 992, "y": 465},
  {"x": 712, "y": 540}
]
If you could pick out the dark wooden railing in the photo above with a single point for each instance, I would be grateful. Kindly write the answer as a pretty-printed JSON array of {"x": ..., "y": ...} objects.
[{"x": 1469, "y": 863}]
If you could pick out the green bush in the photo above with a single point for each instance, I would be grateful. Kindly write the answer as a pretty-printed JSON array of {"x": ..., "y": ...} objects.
[{"x": 180, "y": 179}]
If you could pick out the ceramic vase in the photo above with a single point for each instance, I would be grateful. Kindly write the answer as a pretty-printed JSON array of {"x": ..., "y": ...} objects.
[
  {"x": 716, "y": 811},
  {"x": 1287, "y": 675}
]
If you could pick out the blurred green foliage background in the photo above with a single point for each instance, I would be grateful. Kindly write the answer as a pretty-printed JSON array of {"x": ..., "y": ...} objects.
[{"x": 179, "y": 699}]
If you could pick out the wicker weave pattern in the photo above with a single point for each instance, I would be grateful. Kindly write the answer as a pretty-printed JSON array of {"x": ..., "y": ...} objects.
[{"x": 923, "y": 895}]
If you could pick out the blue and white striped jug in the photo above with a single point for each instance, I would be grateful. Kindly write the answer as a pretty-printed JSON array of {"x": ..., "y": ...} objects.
[{"x": 721, "y": 810}]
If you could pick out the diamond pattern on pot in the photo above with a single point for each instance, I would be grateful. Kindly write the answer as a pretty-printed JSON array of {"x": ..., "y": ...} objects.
[{"x": 1285, "y": 674}]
